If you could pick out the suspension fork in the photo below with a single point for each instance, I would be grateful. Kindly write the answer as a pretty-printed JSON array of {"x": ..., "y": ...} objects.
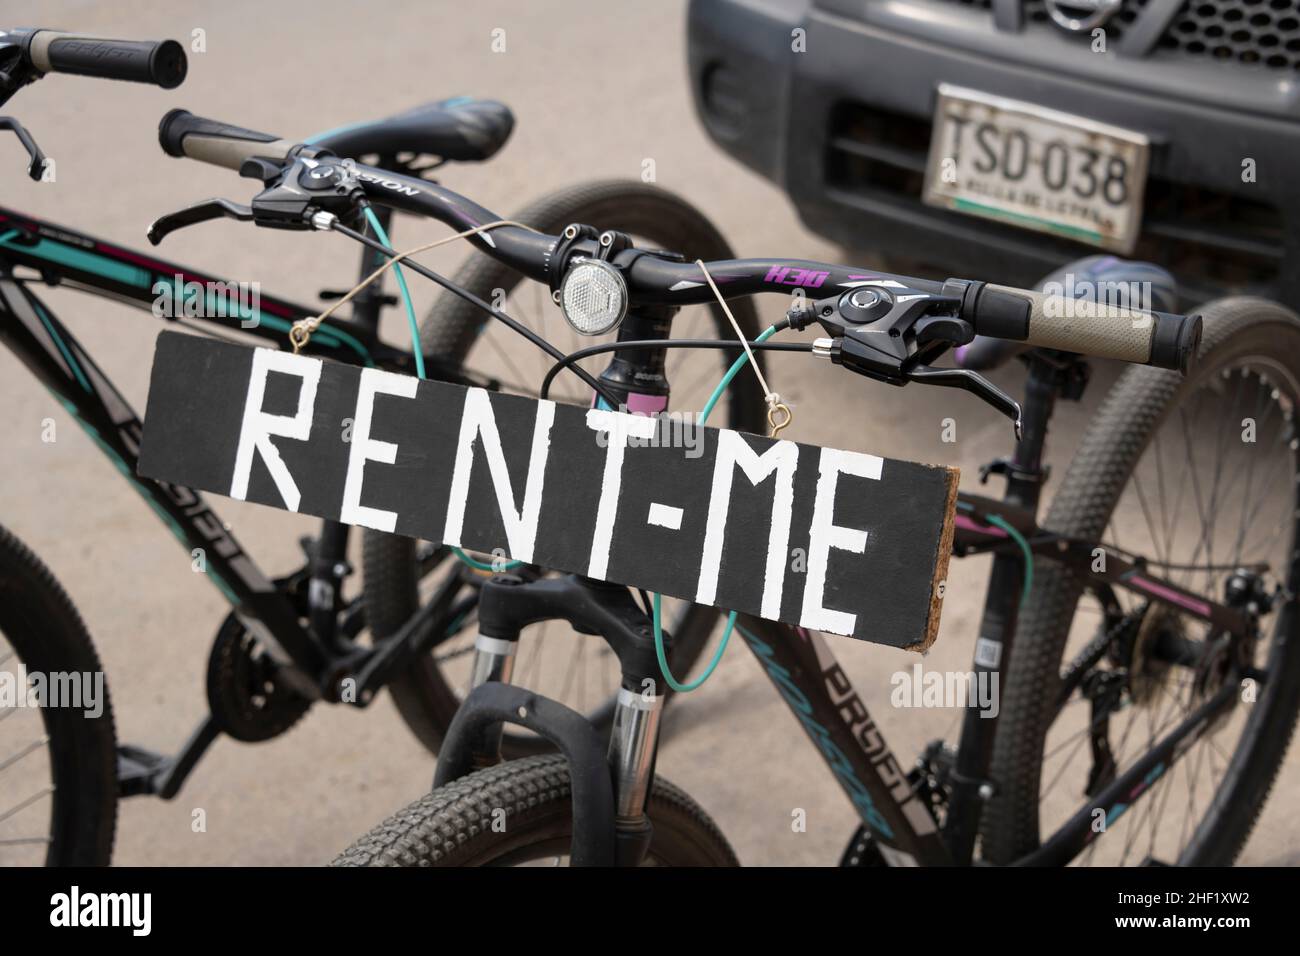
[
  {"x": 1025, "y": 476},
  {"x": 507, "y": 604},
  {"x": 494, "y": 662}
]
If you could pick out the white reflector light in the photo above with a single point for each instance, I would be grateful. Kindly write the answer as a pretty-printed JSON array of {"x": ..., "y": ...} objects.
[{"x": 593, "y": 297}]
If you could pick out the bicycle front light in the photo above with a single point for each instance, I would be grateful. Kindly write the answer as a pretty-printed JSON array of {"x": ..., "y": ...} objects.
[{"x": 593, "y": 297}]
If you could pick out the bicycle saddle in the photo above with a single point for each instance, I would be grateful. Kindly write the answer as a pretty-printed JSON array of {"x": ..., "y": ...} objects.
[
  {"x": 462, "y": 128},
  {"x": 1102, "y": 278}
]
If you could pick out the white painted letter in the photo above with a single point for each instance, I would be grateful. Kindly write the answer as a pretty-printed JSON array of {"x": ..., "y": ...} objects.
[
  {"x": 363, "y": 448},
  {"x": 781, "y": 458},
  {"x": 521, "y": 526},
  {"x": 825, "y": 534},
  {"x": 257, "y": 428},
  {"x": 620, "y": 427}
]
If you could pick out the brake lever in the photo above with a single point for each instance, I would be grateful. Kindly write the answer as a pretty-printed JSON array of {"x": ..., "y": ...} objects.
[
  {"x": 205, "y": 211},
  {"x": 36, "y": 168},
  {"x": 974, "y": 383},
  {"x": 306, "y": 194}
]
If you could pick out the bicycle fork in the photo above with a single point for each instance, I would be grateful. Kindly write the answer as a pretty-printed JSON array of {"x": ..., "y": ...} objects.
[{"x": 619, "y": 772}]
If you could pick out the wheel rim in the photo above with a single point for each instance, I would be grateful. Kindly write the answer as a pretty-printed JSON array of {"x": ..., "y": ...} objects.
[
  {"x": 27, "y": 784},
  {"x": 1215, "y": 490}
]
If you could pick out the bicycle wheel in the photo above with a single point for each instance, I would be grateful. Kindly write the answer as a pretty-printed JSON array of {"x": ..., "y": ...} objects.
[
  {"x": 580, "y": 674},
  {"x": 460, "y": 824},
  {"x": 1200, "y": 476},
  {"x": 58, "y": 757}
]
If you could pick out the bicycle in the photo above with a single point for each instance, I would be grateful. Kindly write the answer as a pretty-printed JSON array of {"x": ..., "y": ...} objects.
[
  {"x": 290, "y": 640},
  {"x": 608, "y": 806}
]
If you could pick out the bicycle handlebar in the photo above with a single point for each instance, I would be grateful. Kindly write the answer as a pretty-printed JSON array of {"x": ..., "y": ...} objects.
[
  {"x": 161, "y": 63},
  {"x": 1038, "y": 320},
  {"x": 181, "y": 133}
]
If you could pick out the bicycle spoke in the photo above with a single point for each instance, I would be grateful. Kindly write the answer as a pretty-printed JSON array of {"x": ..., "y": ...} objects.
[
  {"x": 38, "y": 795},
  {"x": 34, "y": 746}
]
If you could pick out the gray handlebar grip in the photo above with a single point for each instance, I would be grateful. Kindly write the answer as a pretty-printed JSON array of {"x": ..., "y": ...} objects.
[
  {"x": 1092, "y": 328},
  {"x": 181, "y": 133},
  {"x": 1089, "y": 328}
]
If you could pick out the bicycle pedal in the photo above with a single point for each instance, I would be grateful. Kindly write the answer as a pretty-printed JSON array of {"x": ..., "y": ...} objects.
[{"x": 138, "y": 770}]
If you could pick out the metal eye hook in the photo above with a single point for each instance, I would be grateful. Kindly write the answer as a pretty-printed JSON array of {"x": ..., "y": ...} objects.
[{"x": 774, "y": 423}]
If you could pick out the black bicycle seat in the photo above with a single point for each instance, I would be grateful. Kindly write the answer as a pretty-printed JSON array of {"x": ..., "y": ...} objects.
[
  {"x": 1121, "y": 282},
  {"x": 462, "y": 129}
]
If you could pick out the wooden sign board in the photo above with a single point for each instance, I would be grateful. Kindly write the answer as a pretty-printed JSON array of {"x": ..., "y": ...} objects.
[{"x": 835, "y": 541}]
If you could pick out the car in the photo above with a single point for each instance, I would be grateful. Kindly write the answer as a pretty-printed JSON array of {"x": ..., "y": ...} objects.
[{"x": 1002, "y": 139}]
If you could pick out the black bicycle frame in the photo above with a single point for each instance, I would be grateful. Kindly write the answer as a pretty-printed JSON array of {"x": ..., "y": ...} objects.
[
  {"x": 815, "y": 687},
  {"x": 57, "y": 255}
]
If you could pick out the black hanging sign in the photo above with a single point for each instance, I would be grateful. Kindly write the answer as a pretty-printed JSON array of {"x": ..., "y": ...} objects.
[{"x": 835, "y": 541}]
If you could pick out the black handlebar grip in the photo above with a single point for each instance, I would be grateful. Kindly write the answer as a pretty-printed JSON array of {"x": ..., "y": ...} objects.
[
  {"x": 1091, "y": 328},
  {"x": 181, "y": 133},
  {"x": 1176, "y": 341},
  {"x": 139, "y": 61}
]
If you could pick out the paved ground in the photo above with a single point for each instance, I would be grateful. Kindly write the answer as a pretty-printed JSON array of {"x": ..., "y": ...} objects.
[{"x": 596, "y": 89}]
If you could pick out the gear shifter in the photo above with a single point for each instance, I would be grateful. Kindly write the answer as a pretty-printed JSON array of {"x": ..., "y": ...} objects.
[
  {"x": 307, "y": 193},
  {"x": 890, "y": 333}
]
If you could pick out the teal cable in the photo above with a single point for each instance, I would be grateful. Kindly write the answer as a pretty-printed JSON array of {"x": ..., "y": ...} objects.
[
  {"x": 482, "y": 565},
  {"x": 1019, "y": 539},
  {"x": 406, "y": 293},
  {"x": 736, "y": 366},
  {"x": 419, "y": 366}
]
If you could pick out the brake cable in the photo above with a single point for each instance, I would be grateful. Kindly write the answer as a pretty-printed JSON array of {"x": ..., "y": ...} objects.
[
  {"x": 307, "y": 326},
  {"x": 774, "y": 403},
  {"x": 300, "y": 334},
  {"x": 628, "y": 345},
  {"x": 656, "y": 618},
  {"x": 301, "y": 331},
  {"x": 416, "y": 348}
]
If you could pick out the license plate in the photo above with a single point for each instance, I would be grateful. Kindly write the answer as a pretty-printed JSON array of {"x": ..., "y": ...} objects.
[{"x": 1036, "y": 168}]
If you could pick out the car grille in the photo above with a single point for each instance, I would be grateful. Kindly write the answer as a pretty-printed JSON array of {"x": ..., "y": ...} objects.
[
  {"x": 1221, "y": 238},
  {"x": 1257, "y": 33},
  {"x": 1265, "y": 33}
]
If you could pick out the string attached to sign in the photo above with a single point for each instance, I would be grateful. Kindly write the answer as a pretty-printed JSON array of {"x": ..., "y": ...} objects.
[
  {"x": 656, "y": 618},
  {"x": 301, "y": 331},
  {"x": 779, "y": 415},
  {"x": 416, "y": 348}
]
